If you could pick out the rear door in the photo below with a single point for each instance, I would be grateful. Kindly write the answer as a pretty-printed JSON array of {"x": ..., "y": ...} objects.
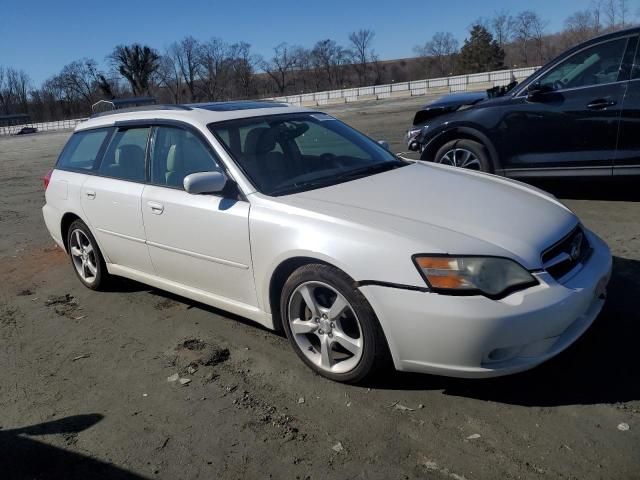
[
  {"x": 200, "y": 241},
  {"x": 627, "y": 160},
  {"x": 111, "y": 199},
  {"x": 572, "y": 128}
]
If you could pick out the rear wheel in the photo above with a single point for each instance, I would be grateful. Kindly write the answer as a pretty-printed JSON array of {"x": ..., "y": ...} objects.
[
  {"x": 86, "y": 257},
  {"x": 464, "y": 153},
  {"x": 330, "y": 324}
]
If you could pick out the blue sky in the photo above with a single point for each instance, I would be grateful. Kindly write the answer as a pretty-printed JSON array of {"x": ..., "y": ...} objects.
[{"x": 41, "y": 36}]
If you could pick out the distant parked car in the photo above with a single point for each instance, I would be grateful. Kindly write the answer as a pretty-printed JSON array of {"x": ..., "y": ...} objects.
[
  {"x": 575, "y": 116},
  {"x": 27, "y": 131},
  {"x": 295, "y": 220}
]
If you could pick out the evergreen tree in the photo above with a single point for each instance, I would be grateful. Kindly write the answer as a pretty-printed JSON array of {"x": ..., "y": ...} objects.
[{"x": 480, "y": 52}]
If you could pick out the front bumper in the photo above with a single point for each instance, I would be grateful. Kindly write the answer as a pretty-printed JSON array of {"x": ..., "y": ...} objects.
[{"x": 476, "y": 337}]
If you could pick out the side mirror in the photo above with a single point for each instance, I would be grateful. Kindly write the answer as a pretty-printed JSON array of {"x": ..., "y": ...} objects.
[
  {"x": 205, "y": 182},
  {"x": 384, "y": 144},
  {"x": 536, "y": 91}
]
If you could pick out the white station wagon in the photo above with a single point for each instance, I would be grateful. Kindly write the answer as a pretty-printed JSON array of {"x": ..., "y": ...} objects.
[{"x": 291, "y": 218}]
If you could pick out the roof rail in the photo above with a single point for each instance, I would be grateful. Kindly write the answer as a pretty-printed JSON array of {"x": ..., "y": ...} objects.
[{"x": 142, "y": 109}]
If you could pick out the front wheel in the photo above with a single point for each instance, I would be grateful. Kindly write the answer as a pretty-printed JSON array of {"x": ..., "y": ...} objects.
[
  {"x": 330, "y": 324},
  {"x": 464, "y": 153}
]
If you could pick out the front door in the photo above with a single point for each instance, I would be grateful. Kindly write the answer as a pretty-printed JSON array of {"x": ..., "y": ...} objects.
[
  {"x": 571, "y": 125},
  {"x": 627, "y": 160},
  {"x": 200, "y": 241}
]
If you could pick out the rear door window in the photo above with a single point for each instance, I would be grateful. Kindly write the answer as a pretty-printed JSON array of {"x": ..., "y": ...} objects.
[
  {"x": 125, "y": 157},
  {"x": 82, "y": 149}
]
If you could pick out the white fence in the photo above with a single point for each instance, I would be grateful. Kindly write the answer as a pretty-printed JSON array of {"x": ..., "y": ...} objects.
[
  {"x": 475, "y": 81},
  {"x": 44, "y": 127}
]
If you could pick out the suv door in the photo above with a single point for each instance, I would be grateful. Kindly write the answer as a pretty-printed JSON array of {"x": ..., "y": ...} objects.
[
  {"x": 570, "y": 125},
  {"x": 111, "y": 200},
  {"x": 200, "y": 241},
  {"x": 627, "y": 160}
]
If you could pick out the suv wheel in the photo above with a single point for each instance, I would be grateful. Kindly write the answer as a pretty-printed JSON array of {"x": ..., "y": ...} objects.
[
  {"x": 464, "y": 154},
  {"x": 330, "y": 324},
  {"x": 86, "y": 257}
]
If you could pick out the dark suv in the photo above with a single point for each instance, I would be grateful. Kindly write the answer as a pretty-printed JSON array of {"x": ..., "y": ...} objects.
[{"x": 578, "y": 115}]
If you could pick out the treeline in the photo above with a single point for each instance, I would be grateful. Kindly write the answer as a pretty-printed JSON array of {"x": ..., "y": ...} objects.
[
  {"x": 507, "y": 40},
  {"x": 193, "y": 70}
]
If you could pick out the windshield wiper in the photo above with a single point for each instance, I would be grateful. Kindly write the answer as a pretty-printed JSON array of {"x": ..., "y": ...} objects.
[
  {"x": 369, "y": 170},
  {"x": 298, "y": 187}
]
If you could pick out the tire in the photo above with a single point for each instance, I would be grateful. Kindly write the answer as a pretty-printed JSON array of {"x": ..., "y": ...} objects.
[
  {"x": 355, "y": 327},
  {"x": 87, "y": 259},
  {"x": 464, "y": 153}
]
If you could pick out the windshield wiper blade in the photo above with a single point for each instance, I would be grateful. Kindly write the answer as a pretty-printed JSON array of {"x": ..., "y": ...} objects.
[
  {"x": 297, "y": 187},
  {"x": 369, "y": 170}
]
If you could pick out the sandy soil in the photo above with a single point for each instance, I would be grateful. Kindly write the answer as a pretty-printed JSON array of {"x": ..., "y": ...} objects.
[{"x": 84, "y": 390}]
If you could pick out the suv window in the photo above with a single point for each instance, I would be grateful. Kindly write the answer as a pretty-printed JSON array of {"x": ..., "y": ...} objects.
[
  {"x": 593, "y": 66},
  {"x": 82, "y": 149},
  {"x": 176, "y": 153},
  {"x": 124, "y": 158}
]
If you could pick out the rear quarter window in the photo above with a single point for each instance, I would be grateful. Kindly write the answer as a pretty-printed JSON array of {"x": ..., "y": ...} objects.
[{"x": 82, "y": 149}]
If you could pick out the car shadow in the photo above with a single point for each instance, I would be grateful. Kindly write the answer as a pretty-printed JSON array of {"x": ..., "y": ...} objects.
[
  {"x": 601, "y": 367},
  {"x": 621, "y": 189},
  {"x": 23, "y": 458}
]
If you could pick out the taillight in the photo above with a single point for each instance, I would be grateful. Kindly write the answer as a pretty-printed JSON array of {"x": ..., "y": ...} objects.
[{"x": 47, "y": 179}]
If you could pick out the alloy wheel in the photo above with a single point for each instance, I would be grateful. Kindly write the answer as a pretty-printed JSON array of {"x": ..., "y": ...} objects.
[
  {"x": 325, "y": 327},
  {"x": 83, "y": 256},
  {"x": 461, "y": 157}
]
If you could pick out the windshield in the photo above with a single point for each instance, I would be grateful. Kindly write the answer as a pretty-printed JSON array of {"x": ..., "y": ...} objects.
[{"x": 283, "y": 154}]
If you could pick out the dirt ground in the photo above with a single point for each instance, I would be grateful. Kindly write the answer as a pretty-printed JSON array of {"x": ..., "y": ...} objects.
[{"x": 84, "y": 390}]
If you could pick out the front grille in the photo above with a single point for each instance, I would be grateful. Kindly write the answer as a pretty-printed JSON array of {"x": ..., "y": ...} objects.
[{"x": 564, "y": 256}]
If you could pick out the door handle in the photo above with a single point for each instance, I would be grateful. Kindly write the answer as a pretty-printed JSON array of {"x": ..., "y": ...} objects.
[
  {"x": 156, "y": 207},
  {"x": 600, "y": 104},
  {"x": 90, "y": 194}
]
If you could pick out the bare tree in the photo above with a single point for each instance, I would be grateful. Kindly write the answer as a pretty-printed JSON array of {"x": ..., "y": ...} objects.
[
  {"x": 137, "y": 64},
  {"x": 361, "y": 52},
  {"x": 5, "y": 95},
  {"x": 611, "y": 13},
  {"x": 80, "y": 79},
  {"x": 187, "y": 54},
  {"x": 281, "y": 66},
  {"x": 243, "y": 65},
  {"x": 328, "y": 59},
  {"x": 441, "y": 48},
  {"x": 214, "y": 58},
  {"x": 596, "y": 9},
  {"x": 529, "y": 28},
  {"x": 580, "y": 26},
  {"x": 623, "y": 12},
  {"x": 18, "y": 84},
  {"x": 501, "y": 26},
  {"x": 170, "y": 75}
]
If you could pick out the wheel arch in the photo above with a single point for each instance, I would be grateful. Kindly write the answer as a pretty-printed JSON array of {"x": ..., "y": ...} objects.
[
  {"x": 279, "y": 277},
  {"x": 461, "y": 133},
  {"x": 66, "y": 221}
]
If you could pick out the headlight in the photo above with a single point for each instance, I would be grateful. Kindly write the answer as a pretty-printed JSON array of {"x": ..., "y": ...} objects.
[
  {"x": 414, "y": 132},
  {"x": 490, "y": 276}
]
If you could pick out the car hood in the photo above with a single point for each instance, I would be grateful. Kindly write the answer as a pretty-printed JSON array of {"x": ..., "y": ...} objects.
[
  {"x": 456, "y": 100},
  {"x": 448, "y": 210},
  {"x": 447, "y": 103}
]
